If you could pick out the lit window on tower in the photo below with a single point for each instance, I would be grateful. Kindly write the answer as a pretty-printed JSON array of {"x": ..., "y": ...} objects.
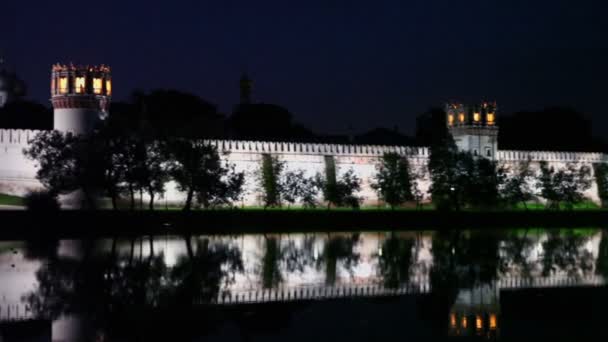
[
  {"x": 490, "y": 118},
  {"x": 478, "y": 323},
  {"x": 493, "y": 322},
  {"x": 461, "y": 117},
  {"x": 79, "y": 85},
  {"x": 464, "y": 322},
  {"x": 451, "y": 119},
  {"x": 97, "y": 85},
  {"x": 453, "y": 321},
  {"x": 63, "y": 85},
  {"x": 108, "y": 87},
  {"x": 53, "y": 86},
  {"x": 476, "y": 117}
]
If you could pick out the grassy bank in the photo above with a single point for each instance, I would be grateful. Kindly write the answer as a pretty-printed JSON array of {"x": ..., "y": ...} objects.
[{"x": 11, "y": 200}]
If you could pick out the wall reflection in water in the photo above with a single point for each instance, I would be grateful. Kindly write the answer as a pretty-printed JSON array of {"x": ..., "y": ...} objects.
[{"x": 101, "y": 282}]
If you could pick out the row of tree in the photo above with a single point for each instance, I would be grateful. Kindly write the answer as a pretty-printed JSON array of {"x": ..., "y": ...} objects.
[
  {"x": 108, "y": 165},
  {"x": 114, "y": 165}
]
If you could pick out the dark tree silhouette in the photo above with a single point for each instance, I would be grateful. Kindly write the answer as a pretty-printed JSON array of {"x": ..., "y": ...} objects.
[
  {"x": 396, "y": 260},
  {"x": 263, "y": 121},
  {"x": 393, "y": 181},
  {"x": 198, "y": 170}
]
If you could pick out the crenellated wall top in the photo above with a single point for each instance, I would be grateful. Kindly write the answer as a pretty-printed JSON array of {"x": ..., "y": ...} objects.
[
  {"x": 243, "y": 146},
  {"x": 16, "y": 136},
  {"x": 22, "y": 136},
  {"x": 552, "y": 156}
]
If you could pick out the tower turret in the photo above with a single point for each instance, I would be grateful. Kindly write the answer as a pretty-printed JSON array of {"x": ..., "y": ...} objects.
[
  {"x": 474, "y": 128},
  {"x": 80, "y": 96}
]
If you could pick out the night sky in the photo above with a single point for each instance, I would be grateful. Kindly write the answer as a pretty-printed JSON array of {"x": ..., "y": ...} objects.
[{"x": 332, "y": 63}]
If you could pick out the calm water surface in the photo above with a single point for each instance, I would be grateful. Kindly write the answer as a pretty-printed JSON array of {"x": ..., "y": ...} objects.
[{"x": 355, "y": 286}]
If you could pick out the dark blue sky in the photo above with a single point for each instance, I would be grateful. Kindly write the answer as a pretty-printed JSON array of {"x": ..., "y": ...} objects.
[{"x": 332, "y": 63}]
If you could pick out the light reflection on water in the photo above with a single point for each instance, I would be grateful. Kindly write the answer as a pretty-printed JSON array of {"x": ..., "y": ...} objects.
[{"x": 68, "y": 277}]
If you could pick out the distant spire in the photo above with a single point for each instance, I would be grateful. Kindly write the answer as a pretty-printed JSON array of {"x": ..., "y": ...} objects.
[{"x": 245, "y": 85}]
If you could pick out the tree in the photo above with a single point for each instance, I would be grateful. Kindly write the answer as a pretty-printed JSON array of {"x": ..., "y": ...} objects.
[
  {"x": 601, "y": 178},
  {"x": 197, "y": 168},
  {"x": 339, "y": 192},
  {"x": 67, "y": 163},
  {"x": 296, "y": 187},
  {"x": 342, "y": 193},
  {"x": 484, "y": 181},
  {"x": 269, "y": 178},
  {"x": 572, "y": 183},
  {"x": 393, "y": 181},
  {"x": 516, "y": 188},
  {"x": 566, "y": 185},
  {"x": 151, "y": 171},
  {"x": 443, "y": 161},
  {"x": 348, "y": 185}
]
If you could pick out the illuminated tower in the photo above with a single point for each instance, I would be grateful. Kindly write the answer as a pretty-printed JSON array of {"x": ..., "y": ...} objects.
[
  {"x": 245, "y": 85},
  {"x": 80, "y": 96},
  {"x": 474, "y": 128}
]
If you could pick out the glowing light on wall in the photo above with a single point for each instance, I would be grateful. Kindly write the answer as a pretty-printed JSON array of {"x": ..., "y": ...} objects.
[
  {"x": 97, "y": 85},
  {"x": 476, "y": 117},
  {"x": 53, "y": 85},
  {"x": 63, "y": 85},
  {"x": 453, "y": 320},
  {"x": 464, "y": 322},
  {"x": 451, "y": 119},
  {"x": 108, "y": 87},
  {"x": 478, "y": 323},
  {"x": 79, "y": 85},
  {"x": 461, "y": 117},
  {"x": 493, "y": 322}
]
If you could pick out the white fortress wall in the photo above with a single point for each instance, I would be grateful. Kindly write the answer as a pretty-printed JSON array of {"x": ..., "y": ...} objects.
[
  {"x": 512, "y": 159},
  {"x": 18, "y": 174}
]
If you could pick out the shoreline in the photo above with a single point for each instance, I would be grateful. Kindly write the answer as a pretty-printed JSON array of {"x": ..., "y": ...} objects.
[{"x": 22, "y": 225}]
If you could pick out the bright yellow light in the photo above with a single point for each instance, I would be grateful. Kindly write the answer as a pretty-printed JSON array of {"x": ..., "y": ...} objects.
[
  {"x": 97, "y": 85},
  {"x": 476, "y": 117},
  {"x": 478, "y": 322},
  {"x": 108, "y": 87},
  {"x": 451, "y": 119},
  {"x": 464, "y": 322},
  {"x": 63, "y": 85},
  {"x": 461, "y": 117},
  {"x": 453, "y": 320},
  {"x": 492, "y": 322},
  {"x": 490, "y": 118},
  {"x": 79, "y": 85}
]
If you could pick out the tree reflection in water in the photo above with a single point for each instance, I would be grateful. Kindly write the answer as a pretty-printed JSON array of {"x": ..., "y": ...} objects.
[
  {"x": 395, "y": 260},
  {"x": 109, "y": 289},
  {"x": 566, "y": 252},
  {"x": 339, "y": 248},
  {"x": 106, "y": 289},
  {"x": 516, "y": 253}
]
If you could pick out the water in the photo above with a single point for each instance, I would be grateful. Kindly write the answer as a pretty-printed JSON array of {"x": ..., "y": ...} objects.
[{"x": 356, "y": 286}]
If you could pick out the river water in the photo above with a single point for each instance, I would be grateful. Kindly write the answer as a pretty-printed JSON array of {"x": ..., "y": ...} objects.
[{"x": 298, "y": 286}]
